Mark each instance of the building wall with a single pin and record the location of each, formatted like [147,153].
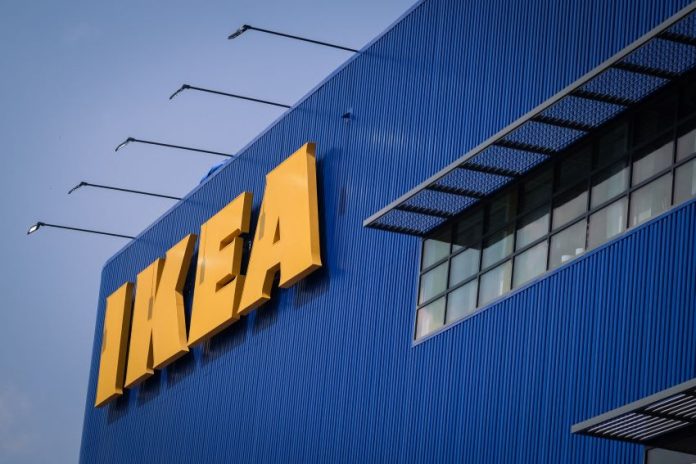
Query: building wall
[326,371]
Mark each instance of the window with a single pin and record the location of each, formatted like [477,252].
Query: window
[468,231]
[497,247]
[570,205]
[568,244]
[655,117]
[462,301]
[501,211]
[532,227]
[686,145]
[574,168]
[646,164]
[495,282]
[530,264]
[435,250]
[609,183]
[464,265]
[430,318]
[651,200]
[607,223]
[612,146]
[536,191]
[433,283]
[685,182]
[617,179]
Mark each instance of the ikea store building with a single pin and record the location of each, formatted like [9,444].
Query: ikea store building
[473,242]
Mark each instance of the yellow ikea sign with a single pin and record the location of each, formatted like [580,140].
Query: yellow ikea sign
[286,241]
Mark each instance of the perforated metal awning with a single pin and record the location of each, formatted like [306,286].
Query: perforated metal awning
[657,420]
[650,63]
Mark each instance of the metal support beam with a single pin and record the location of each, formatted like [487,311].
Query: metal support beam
[563,123]
[601,97]
[398,230]
[488,170]
[424,211]
[454,191]
[638,69]
[524,147]
[678,38]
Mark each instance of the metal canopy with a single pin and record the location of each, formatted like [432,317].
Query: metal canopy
[657,420]
[650,63]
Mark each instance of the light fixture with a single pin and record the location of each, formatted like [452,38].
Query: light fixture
[120,189]
[124,143]
[233,95]
[149,142]
[81,184]
[239,31]
[34,228]
[40,224]
[247,27]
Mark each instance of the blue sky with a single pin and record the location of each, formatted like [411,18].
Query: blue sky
[77,78]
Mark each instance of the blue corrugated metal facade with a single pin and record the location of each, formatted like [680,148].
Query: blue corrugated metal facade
[327,371]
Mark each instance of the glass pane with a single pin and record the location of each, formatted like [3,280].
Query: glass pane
[468,231]
[607,222]
[497,247]
[686,145]
[685,182]
[655,118]
[651,200]
[532,227]
[434,250]
[536,191]
[530,264]
[651,162]
[433,283]
[568,244]
[462,301]
[609,183]
[569,206]
[612,146]
[688,99]
[464,265]
[501,211]
[430,318]
[494,283]
[663,456]
[574,168]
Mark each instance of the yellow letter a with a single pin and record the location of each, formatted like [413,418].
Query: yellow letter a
[287,232]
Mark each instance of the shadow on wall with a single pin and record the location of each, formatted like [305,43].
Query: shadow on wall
[316,284]
[118,408]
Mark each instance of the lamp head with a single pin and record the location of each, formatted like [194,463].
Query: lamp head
[124,143]
[81,184]
[240,31]
[181,89]
[34,228]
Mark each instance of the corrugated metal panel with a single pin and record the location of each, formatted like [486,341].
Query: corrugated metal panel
[326,371]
